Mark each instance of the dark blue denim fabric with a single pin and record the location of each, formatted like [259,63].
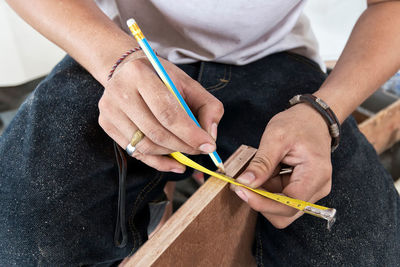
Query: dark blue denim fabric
[58,183]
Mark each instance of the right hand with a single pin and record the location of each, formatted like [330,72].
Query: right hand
[135,98]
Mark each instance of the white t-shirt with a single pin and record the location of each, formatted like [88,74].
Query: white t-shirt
[226,31]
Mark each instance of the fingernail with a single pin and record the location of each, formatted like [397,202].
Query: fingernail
[241,194]
[246,178]
[208,148]
[214,129]
[178,170]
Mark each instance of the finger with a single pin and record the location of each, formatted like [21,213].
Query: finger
[112,131]
[170,114]
[305,183]
[272,207]
[122,128]
[205,106]
[263,204]
[273,185]
[273,147]
[282,222]
[137,111]
[162,163]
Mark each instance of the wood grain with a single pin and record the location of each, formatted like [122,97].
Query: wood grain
[383,129]
[213,228]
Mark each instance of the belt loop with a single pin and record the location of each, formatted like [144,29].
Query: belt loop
[200,71]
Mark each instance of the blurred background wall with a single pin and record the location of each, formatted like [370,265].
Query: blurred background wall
[26,55]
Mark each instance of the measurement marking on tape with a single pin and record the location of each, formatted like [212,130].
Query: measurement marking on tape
[328,214]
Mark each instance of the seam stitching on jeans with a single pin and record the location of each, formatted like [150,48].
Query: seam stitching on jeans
[219,83]
[138,201]
[222,84]
[200,72]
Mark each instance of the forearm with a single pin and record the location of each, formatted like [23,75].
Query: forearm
[370,57]
[80,28]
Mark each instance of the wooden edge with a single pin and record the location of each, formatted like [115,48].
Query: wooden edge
[383,129]
[180,220]
[360,115]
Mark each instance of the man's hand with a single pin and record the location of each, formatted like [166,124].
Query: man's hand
[298,137]
[135,98]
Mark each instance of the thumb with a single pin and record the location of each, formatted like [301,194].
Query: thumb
[270,153]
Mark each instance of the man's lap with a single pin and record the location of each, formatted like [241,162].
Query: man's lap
[59,178]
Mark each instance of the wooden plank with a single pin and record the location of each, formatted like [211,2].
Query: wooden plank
[361,115]
[383,129]
[213,228]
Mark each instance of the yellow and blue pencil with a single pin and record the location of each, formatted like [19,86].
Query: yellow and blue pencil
[144,44]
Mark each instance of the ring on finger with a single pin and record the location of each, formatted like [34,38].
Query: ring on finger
[131,147]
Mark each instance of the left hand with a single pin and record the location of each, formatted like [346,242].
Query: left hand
[298,137]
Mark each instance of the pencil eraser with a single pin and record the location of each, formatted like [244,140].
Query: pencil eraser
[130,22]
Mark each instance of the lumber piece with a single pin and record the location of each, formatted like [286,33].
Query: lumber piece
[213,227]
[383,129]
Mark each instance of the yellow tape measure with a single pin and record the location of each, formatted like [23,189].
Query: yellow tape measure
[313,209]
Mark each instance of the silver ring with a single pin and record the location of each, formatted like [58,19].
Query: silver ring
[130,149]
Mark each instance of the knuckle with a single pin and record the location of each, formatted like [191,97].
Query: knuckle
[328,169]
[101,121]
[107,127]
[219,108]
[104,123]
[102,105]
[326,190]
[278,133]
[263,163]
[279,224]
[145,146]
[158,136]
[167,117]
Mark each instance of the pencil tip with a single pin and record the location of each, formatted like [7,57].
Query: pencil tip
[221,168]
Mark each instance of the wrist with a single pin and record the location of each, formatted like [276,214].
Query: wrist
[339,102]
[128,56]
[324,111]
[109,56]
[312,116]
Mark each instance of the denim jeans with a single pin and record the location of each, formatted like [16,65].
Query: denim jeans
[59,180]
